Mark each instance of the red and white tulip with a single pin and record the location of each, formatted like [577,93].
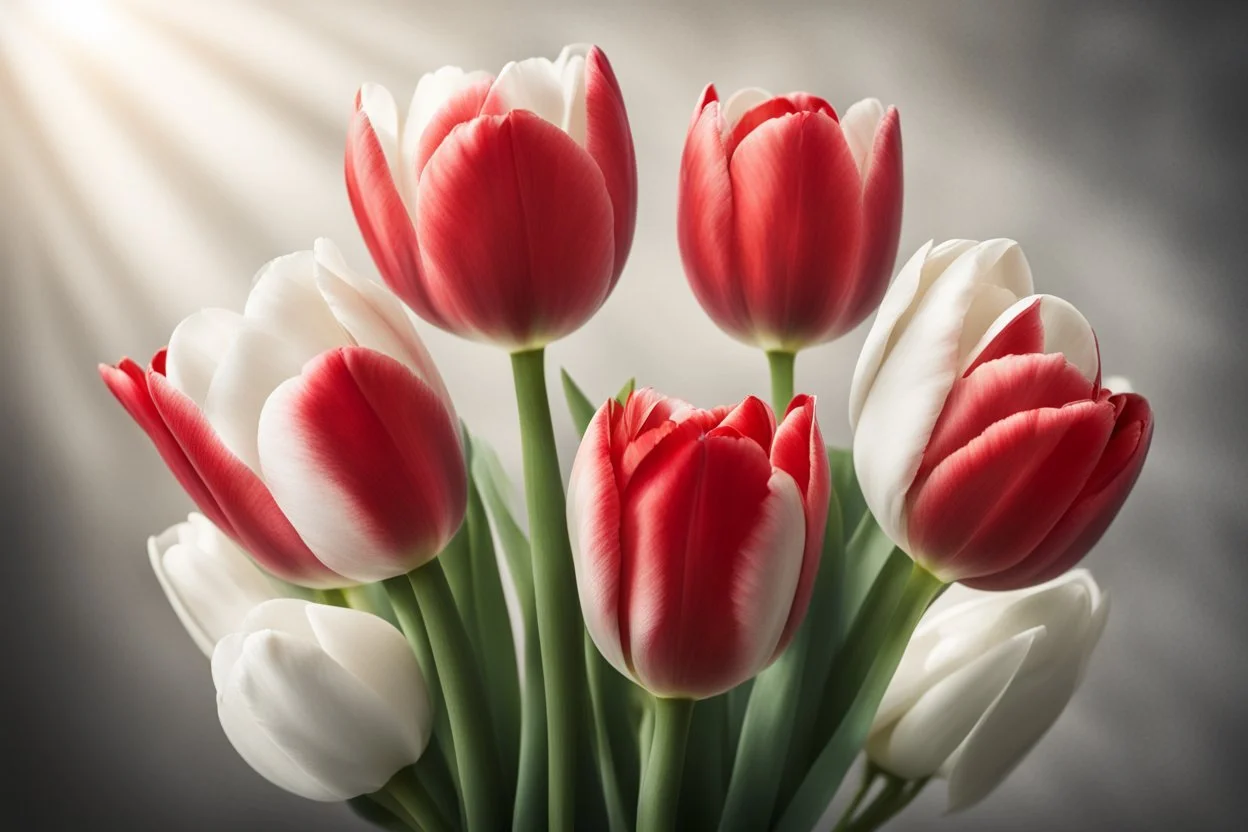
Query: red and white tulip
[696,537]
[985,443]
[789,217]
[313,428]
[500,209]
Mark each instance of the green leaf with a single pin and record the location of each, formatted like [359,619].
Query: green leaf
[371,810]
[845,487]
[626,391]
[579,405]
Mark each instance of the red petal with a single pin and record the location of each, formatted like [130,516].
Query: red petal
[781,105]
[705,224]
[798,200]
[610,142]
[799,451]
[686,518]
[752,419]
[805,102]
[708,96]
[383,218]
[258,523]
[1021,336]
[517,230]
[989,504]
[128,384]
[996,390]
[1096,506]
[881,222]
[463,106]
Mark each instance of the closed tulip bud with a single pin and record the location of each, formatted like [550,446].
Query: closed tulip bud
[325,702]
[696,537]
[983,680]
[313,428]
[500,209]
[986,446]
[789,218]
[211,583]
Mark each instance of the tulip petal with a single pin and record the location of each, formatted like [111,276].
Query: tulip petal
[285,302]
[798,227]
[609,140]
[445,97]
[365,460]
[1040,324]
[247,506]
[128,384]
[740,103]
[921,365]
[986,506]
[752,419]
[882,197]
[861,124]
[195,350]
[462,106]
[541,202]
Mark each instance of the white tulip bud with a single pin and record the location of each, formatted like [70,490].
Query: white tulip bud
[983,679]
[325,702]
[209,581]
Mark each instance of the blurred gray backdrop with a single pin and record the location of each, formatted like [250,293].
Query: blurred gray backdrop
[154,153]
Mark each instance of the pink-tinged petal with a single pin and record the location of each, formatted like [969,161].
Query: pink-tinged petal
[798,225]
[687,516]
[365,460]
[594,529]
[1096,506]
[997,390]
[383,217]
[780,105]
[538,204]
[609,141]
[752,419]
[708,96]
[128,383]
[799,451]
[705,226]
[882,198]
[257,523]
[988,505]
[460,107]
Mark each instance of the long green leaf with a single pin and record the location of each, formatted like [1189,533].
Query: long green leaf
[579,405]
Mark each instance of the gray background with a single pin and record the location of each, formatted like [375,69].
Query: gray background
[154,153]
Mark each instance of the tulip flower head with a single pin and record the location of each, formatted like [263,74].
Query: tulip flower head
[985,443]
[696,537]
[325,702]
[211,583]
[313,428]
[983,680]
[500,209]
[788,217]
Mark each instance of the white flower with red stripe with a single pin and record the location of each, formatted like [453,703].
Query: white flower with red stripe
[696,537]
[500,209]
[985,443]
[313,427]
[789,218]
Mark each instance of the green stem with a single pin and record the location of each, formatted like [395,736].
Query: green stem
[480,778]
[331,597]
[782,364]
[660,785]
[416,802]
[896,796]
[869,775]
[559,622]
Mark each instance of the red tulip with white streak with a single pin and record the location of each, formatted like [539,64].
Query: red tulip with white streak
[985,443]
[500,209]
[788,217]
[696,537]
[313,428]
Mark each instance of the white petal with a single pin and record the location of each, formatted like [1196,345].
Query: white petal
[859,124]
[383,114]
[283,615]
[917,372]
[285,301]
[929,732]
[196,347]
[224,656]
[534,84]
[740,103]
[373,316]
[433,90]
[1066,331]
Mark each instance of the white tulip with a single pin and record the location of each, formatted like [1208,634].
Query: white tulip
[325,702]
[983,679]
[211,583]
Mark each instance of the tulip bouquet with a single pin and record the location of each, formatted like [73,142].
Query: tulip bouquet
[719,613]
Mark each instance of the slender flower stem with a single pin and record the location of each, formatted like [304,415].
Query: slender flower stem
[480,778]
[869,775]
[660,786]
[782,364]
[559,622]
[896,795]
[407,790]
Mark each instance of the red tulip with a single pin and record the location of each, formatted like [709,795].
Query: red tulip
[696,537]
[313,428]
[499,209]
[985,443]
[789,220]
